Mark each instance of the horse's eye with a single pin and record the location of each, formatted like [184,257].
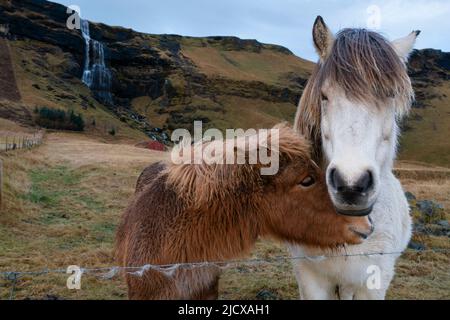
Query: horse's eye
[324,97]
[307,182]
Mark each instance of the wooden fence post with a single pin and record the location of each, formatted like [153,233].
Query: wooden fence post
[1,183]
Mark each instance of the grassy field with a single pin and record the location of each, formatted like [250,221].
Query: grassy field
[62,202]
[427,138]
[267,65]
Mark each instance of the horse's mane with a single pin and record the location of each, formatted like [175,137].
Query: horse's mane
[202,183]
[366,67]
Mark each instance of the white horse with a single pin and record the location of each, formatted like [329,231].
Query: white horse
[349,109]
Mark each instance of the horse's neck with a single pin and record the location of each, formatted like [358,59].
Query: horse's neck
[386,170]
[228,232]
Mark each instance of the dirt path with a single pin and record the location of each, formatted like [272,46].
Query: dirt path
[79,150]
[420,171]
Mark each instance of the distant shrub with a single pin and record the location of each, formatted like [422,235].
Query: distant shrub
[76,120]
[59,119]
[112,131]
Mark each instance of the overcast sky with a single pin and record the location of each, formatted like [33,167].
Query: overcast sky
[284,22]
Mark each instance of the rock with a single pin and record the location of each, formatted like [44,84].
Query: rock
[443,223]
[266,295]
[429,63]
[49,28]
[416,246]
[431,229]
[164,136]
[429,208]
[409,196]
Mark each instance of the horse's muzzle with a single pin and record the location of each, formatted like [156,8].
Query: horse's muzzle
[355,212]
[364,234]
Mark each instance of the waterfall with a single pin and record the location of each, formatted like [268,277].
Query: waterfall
[96,74]
[87,75]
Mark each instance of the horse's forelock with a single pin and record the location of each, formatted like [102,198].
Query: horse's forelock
[366,67]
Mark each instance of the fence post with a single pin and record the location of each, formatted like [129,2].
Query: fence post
[1,183]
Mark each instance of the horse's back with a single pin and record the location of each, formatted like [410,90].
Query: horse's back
[148,175]
[140,211]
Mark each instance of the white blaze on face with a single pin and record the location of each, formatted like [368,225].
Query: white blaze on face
[357,139]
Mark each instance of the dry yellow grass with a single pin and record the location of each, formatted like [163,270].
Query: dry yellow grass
[63,201]
[427,140]
[426,182]
[267,66]
[8,127]
[77,150]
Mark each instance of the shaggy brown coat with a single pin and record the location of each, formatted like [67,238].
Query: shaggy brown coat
[195,213]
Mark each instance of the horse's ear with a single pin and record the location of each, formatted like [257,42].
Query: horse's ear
[404,46]
[323,38]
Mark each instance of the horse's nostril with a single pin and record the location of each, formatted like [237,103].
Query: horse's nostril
[365,182]
[331,178]
[336,180]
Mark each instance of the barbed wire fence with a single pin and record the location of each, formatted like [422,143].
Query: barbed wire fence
[13,141]
[10,142]
[109,272]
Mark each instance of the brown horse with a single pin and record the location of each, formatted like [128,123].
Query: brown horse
[216,212]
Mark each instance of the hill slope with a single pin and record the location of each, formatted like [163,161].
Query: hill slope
[427,131]
[159,82]
[162,82]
